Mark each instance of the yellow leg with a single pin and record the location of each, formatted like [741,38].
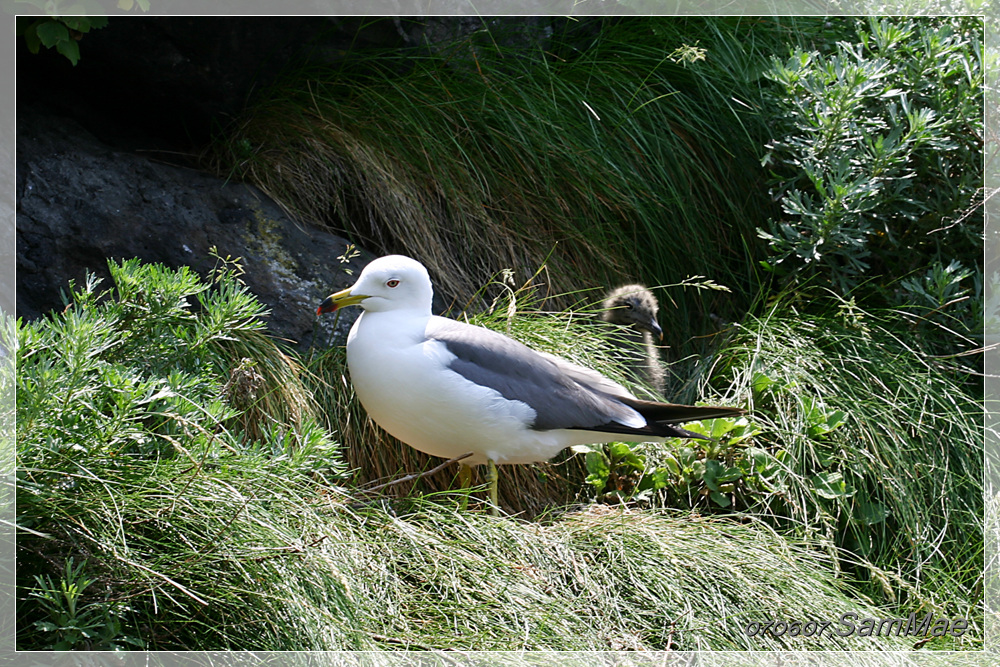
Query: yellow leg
[465,480]
[491,480]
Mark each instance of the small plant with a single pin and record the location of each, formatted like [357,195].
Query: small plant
[227,267]
[72,624]
[690,471]
[350,252]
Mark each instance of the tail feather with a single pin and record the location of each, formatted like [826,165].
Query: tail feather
[661,419]
[672,413]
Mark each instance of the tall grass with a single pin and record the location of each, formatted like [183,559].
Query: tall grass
[628,149]
[900,485]
[255,554]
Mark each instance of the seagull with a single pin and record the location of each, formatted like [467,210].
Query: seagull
[452,389]
[635,307]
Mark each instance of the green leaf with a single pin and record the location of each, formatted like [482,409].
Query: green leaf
[52,32]
[836,419]
[871,513]
[729,474]
[721,426]
[622,455]
[697,427]
[826,423]
[599,470]
[685,456]
[758,459]
[720,499]
[78,23]
[760,383]
[712,470]
[70,49]
[660,478]
[31,38]
[743,431]
[671,465]
[831,485]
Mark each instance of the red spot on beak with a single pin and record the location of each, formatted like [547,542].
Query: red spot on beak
[328,306]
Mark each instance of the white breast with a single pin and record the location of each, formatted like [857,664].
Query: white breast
[404,382]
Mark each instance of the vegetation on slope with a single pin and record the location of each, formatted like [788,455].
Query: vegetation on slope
[183,481]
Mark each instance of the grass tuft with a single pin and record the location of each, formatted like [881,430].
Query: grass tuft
[897,482]
[613,156]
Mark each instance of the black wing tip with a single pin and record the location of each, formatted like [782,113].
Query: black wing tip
[667,427]
[653,430]
[673,413]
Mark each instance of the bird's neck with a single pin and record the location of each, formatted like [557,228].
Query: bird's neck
[398,324]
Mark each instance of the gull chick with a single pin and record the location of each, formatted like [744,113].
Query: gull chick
[635,307]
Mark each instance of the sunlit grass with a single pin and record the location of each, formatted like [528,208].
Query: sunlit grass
[909,453]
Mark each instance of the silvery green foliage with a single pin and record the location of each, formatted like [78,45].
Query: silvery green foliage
[878,162]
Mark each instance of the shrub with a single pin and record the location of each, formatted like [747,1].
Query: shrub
[163,373]
[879,164]
[59,32]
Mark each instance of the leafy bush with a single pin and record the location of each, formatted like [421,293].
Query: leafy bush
[162,372]
[878,166]
[685,473]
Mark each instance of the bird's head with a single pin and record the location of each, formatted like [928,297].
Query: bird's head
[393,282]
[632,305]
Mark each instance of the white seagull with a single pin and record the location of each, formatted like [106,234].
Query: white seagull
[448,388]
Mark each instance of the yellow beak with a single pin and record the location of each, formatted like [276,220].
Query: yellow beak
[339,300]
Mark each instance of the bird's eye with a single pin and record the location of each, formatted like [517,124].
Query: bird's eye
[391,283]
[629,306]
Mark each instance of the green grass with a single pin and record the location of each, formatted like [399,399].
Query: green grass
[252,553]
[192,531]
[907,504]
[477,158]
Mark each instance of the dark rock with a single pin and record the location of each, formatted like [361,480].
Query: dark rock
[80,202]
[93,143]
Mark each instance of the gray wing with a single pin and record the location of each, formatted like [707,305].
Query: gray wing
[563,395]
